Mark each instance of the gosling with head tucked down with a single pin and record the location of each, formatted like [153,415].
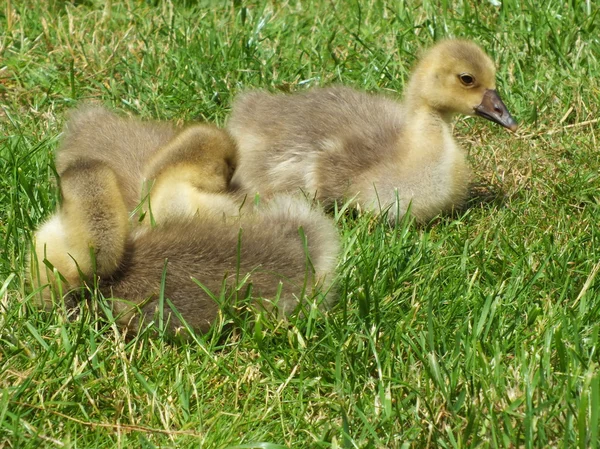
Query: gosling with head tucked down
[284,252]
[284,249]
[162,169]
[111,166]
[338,144]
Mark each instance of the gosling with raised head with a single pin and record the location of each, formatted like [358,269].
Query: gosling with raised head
[338,144]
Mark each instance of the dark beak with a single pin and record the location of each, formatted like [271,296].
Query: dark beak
[493,109]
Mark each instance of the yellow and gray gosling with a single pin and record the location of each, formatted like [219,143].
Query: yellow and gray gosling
[286,250]
[162,169]
[91,239]
[340,144]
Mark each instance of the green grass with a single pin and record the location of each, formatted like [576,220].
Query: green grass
[478,330]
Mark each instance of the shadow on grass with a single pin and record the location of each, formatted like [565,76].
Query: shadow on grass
[484,195]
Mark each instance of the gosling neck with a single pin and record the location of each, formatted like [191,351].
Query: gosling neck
[427,128]
[416,102]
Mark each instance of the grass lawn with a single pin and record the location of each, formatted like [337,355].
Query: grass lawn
[480,329]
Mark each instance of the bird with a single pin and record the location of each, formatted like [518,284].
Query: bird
[162,168]
[338,144]
[281,253]
[111,168]
[285,251]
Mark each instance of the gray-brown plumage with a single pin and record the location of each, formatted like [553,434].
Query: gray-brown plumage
[124,144]
[340,144]
[263,251]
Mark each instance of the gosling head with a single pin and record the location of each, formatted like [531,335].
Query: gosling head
[456,76]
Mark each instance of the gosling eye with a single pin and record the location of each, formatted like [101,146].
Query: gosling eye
[466,79]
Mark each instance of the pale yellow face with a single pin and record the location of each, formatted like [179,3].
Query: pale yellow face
[453,77]
[457,77]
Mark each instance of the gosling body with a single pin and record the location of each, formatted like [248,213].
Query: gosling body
[283,255]
[339,144]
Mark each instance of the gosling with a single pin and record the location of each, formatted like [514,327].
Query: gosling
[338,144]
[284,253]
[162,170]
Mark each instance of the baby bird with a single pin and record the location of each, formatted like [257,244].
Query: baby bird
[338,144]
[283,251]
[106,163]
[164,166]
